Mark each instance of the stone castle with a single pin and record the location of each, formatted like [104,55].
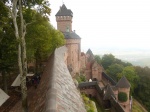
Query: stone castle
[73,41]
[57,92]
[101,86]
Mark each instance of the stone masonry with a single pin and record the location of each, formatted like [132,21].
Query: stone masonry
[56,91]
[68,98]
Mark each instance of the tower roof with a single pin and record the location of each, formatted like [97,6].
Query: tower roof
[109,93]
[89,52]
[63,11]
[123,83]
[71,35]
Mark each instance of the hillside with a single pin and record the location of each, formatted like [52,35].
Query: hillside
[137,107]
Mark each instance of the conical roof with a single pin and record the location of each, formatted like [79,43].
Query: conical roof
[109,93]
[123,83]
[63,11]
[91,56]
[89,52]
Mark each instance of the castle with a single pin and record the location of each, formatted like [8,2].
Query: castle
[105,89]
[73,41]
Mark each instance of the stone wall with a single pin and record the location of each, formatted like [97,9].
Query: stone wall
[56,91]
[62,94]
[64,22]
[73,59]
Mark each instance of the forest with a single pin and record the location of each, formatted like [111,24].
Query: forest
[139,77]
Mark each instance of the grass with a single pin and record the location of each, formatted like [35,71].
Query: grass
[136,107]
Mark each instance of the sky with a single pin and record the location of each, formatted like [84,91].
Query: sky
[109,26]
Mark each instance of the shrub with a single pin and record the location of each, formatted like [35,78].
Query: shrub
[81,78]
[122,96]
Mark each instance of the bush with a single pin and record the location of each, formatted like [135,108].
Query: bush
[122,97]
[81,78]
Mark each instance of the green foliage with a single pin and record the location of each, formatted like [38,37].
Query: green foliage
[88,103]
[142,91]
[98,59]
[118,61]
[41,38]
[113,70]
[81,78]
[130,73]
[122,97]
[8,49]
[107,60]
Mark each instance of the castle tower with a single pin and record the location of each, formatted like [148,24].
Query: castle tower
[124,86]
[64,19]
[64,24]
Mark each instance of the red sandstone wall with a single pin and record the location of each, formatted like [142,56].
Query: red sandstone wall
[63,22]
[73,59]
[82,62]
[90,91]
[88,74]
[127,91]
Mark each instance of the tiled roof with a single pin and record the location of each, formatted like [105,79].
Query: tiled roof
[123,83]
[89,52]
[71,35]
[109,93]
[63,11]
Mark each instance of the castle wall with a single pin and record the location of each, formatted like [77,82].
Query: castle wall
[62,94]
[73,59]
[88,74]
[83,62]
[64,22]
[90,92]
[127,91]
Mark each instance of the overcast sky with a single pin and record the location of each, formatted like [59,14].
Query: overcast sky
[109,26]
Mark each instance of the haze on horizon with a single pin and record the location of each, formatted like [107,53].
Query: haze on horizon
[105,26]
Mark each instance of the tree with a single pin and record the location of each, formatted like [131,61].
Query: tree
[130,73]
[143,88]
[98,59]
[120,62]
[4,13]
[7,45]
[122,97]
[41,38]
[107,60]
[113,70]
[15,8]
[8,54]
